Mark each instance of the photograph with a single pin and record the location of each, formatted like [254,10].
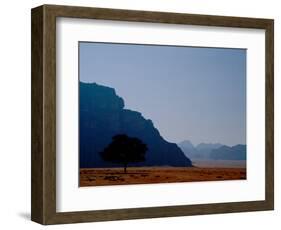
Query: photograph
[161,114]
[174,108]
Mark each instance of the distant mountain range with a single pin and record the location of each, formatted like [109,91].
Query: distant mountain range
[102,115]
[210,151]
[237,152]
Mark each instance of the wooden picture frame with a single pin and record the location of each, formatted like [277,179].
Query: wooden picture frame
[43,207]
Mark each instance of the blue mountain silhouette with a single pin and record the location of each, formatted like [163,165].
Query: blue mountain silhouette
[213,151]
[102,115]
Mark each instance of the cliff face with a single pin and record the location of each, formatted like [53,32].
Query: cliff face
[102,115]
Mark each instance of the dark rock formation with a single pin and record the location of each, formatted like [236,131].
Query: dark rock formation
[102,115]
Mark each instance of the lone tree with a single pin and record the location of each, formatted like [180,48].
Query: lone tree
[124,150]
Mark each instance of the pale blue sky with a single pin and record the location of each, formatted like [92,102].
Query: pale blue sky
[192,93]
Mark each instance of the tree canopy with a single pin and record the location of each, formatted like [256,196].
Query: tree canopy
[124,150]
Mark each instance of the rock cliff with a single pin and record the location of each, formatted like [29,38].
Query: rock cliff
[102,115]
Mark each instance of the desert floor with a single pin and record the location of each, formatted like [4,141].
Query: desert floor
[148,175]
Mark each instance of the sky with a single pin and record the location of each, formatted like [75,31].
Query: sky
[190,93]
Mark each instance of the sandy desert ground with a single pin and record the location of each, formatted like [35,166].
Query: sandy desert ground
[148,175]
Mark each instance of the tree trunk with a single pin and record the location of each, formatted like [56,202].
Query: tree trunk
[125,167]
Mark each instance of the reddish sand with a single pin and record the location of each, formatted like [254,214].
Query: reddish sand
[148,175]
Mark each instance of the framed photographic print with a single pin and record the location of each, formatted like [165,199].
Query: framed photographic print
[140,114]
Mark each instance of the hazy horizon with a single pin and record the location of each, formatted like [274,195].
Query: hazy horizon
[190,93]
